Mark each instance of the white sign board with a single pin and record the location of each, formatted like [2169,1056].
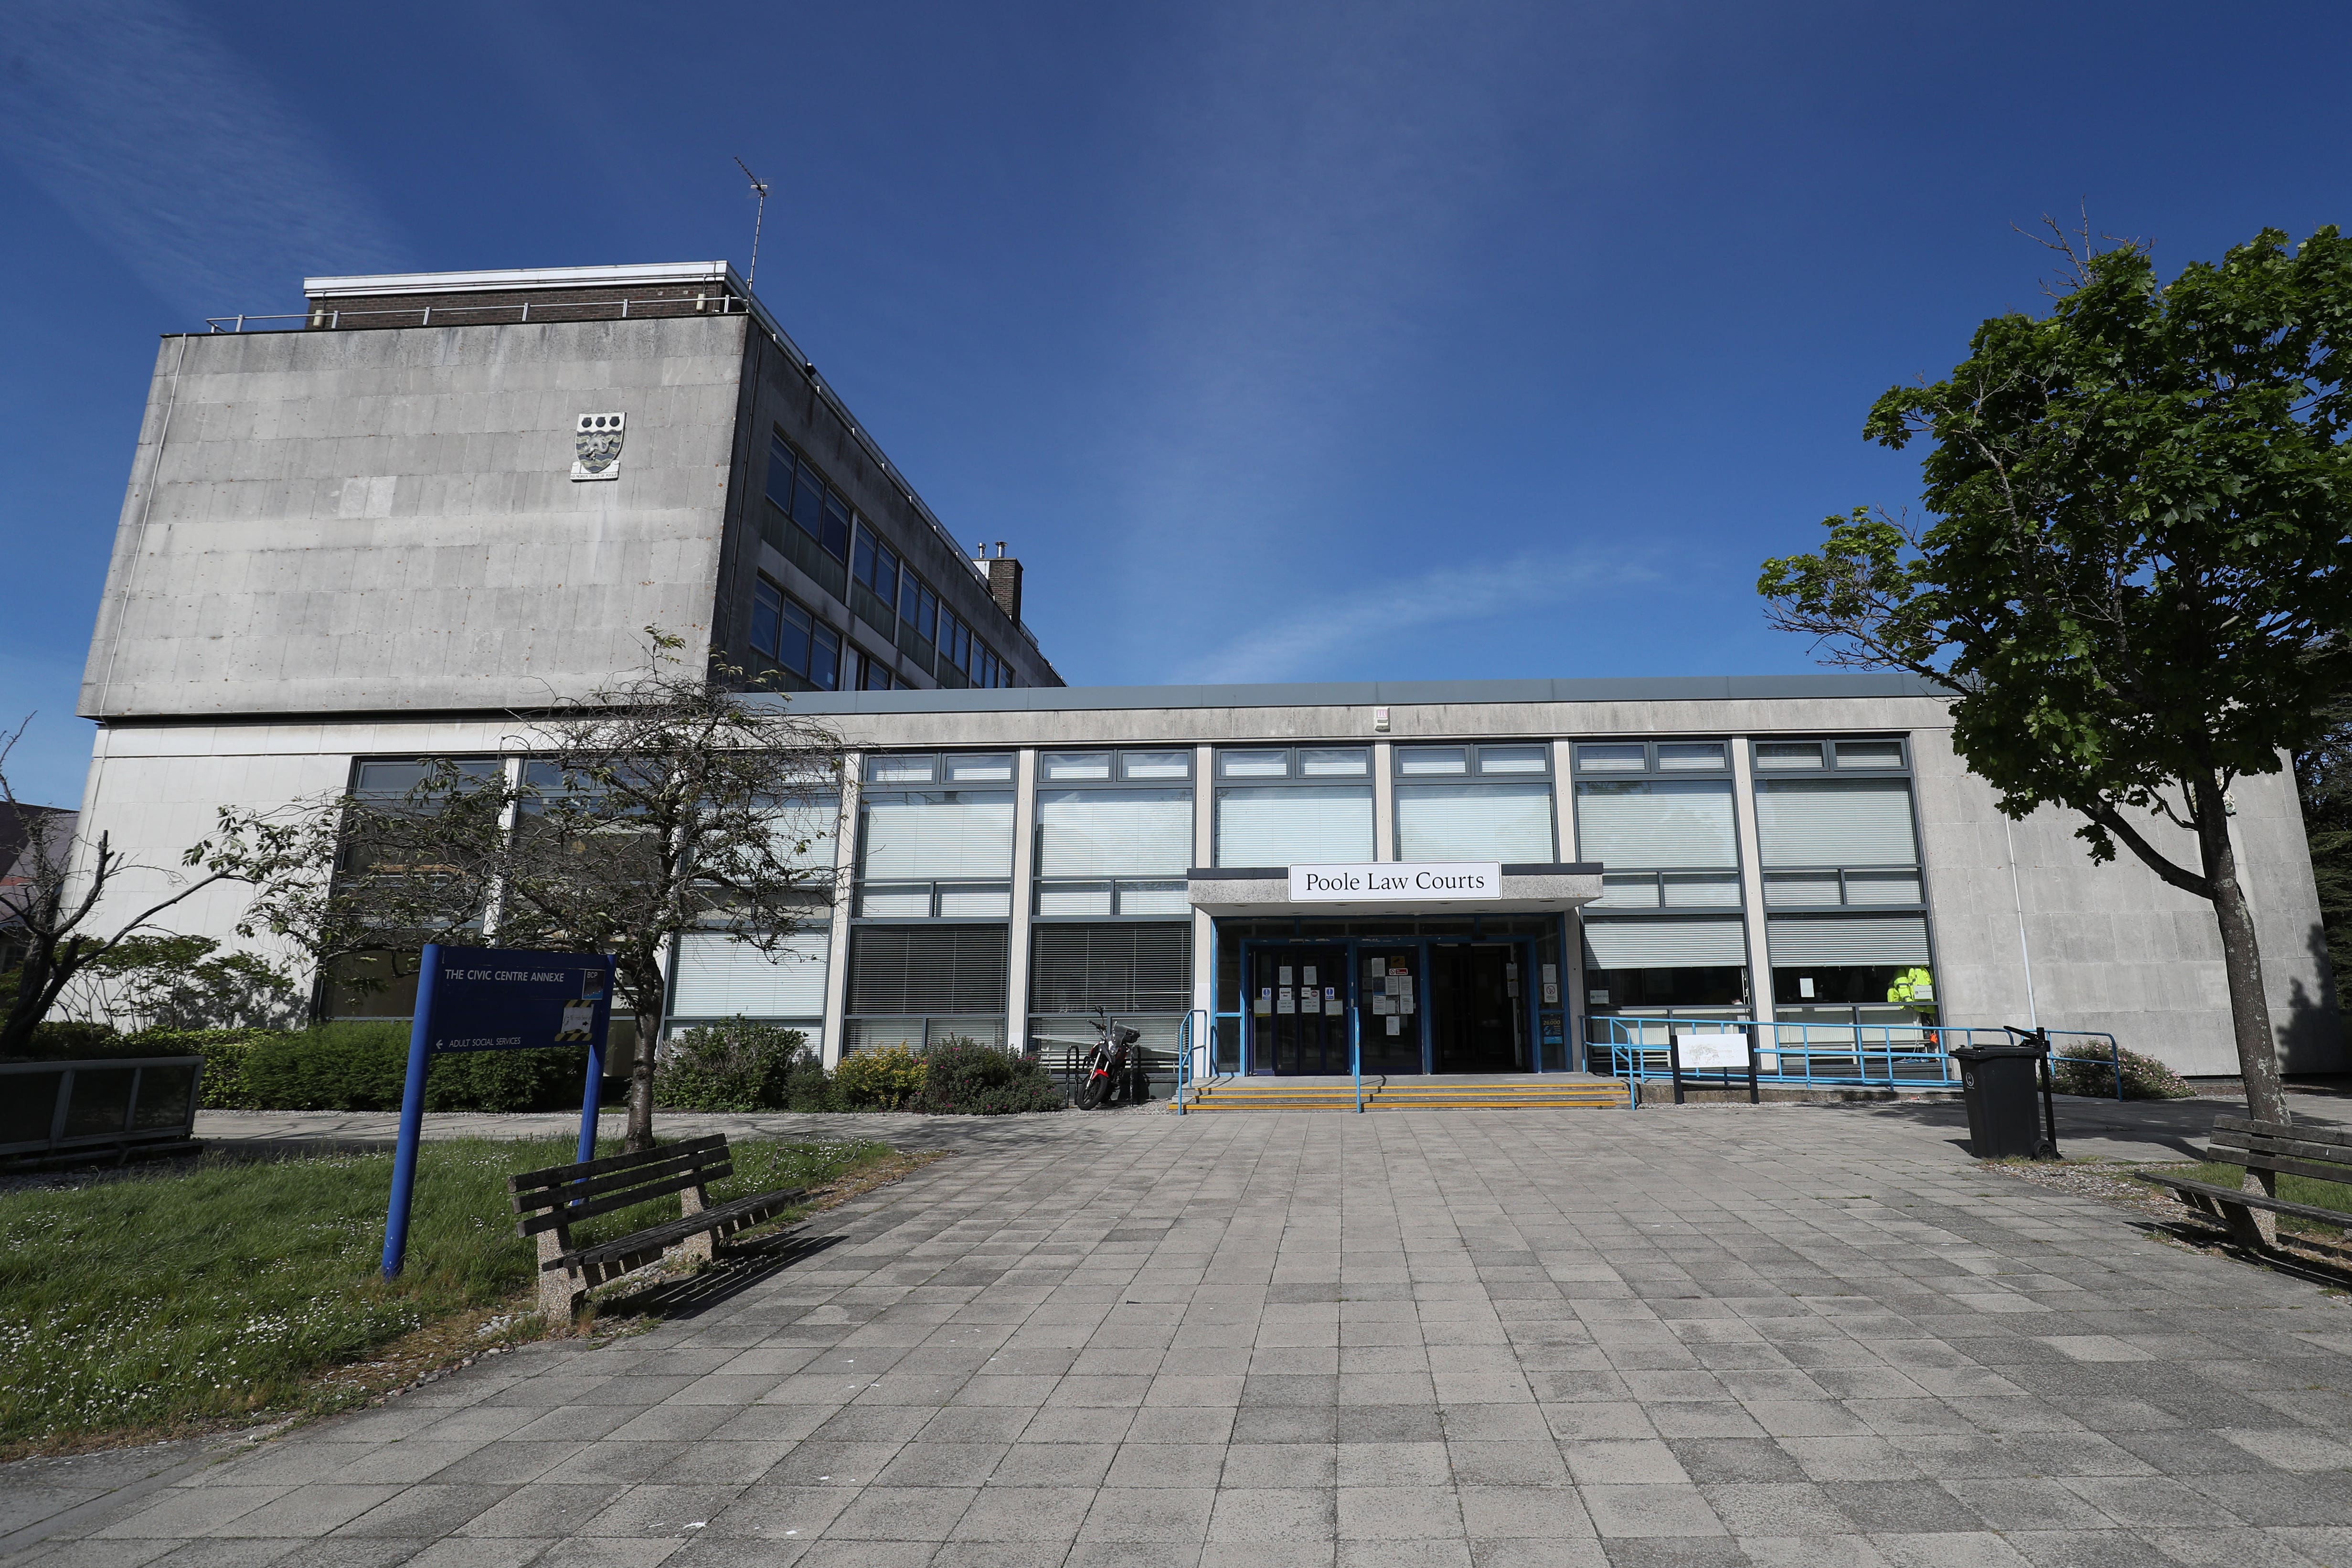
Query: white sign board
[1403,881]
[1714,1051]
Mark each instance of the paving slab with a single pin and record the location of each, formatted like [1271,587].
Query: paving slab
[1795,1334]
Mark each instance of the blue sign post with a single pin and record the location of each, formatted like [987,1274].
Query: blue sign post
[496,999]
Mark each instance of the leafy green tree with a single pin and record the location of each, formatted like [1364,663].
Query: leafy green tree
[664,803]
[2135,576]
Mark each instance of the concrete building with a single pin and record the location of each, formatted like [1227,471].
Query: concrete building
[378,537]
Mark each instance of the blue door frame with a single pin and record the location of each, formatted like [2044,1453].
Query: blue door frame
[1530,991]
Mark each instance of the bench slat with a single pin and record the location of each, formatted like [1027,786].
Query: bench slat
[557,1175]
[2252,1200]
[2300,1148]
[670,1232]
[597,1186]
[574,1214]
[2300,1132]
[2281,1164]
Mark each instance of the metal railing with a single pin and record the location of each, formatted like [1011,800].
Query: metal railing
[509,313]
[58,1109]
[1188,1042]
[1805,1055]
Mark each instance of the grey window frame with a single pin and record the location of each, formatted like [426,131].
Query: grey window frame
[1114,886]
[1831,770]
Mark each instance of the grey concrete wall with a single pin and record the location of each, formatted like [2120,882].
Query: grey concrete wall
[363,520]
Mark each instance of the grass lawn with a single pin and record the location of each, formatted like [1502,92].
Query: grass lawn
[224,1289]
[2334,1195]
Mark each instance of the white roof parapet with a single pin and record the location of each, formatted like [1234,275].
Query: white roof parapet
[656,274]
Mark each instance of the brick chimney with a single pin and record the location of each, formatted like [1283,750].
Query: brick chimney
[1005,583]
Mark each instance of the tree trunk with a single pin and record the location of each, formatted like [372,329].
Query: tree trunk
[2241,955]
[641,1088]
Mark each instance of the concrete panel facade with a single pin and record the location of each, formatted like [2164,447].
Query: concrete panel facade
[332,523]
[2024,927]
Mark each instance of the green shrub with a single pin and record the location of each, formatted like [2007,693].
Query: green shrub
[364,1066]
[62,1040]
[878,1081]
[225,1052]
[740,1065]
[2144,1078]
[964,1077]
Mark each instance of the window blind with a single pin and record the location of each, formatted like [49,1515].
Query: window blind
[1114,832]
[1633,823]
[922,835]
[927,969]
[1509,823]
[1302,825]
[721,976]
[1834,822]
[1838,941]
[816,823]
[1143,968]
[1663,943]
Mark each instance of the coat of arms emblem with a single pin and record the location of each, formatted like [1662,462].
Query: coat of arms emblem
[596,446]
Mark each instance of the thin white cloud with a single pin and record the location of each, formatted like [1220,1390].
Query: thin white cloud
[1317,634]
[178,156]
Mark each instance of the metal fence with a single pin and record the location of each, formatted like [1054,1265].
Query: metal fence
[1825,1056]
[51,1108]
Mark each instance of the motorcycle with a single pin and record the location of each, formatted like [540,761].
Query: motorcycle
[1105,1078]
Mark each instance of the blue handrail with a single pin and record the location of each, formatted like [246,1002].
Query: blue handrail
[1187,1042]
[1907,1055]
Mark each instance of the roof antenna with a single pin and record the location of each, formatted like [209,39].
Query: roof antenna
[759,189]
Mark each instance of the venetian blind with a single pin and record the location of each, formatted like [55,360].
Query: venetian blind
[1302,825]
[1846,942]
[1114,832]
[1640,823]
[1834,822]
[928,835]
[927,969]
[1664,944]
[1510,823]
[721,976]
[1140,968]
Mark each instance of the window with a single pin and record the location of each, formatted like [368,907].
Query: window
[1507,822]
[918,985]
[1834,822]
[767,618]
[797,639]
[1869,753]
[1063,765]
[1155,764]
[1412,761]
[1287,825]
[1653,757]
[722,976]
[1352,762]
[1104,833]
[1654,824]
[1785,756]
[799,491]
[824,659]
[1306,763]
[1141,968]
[928,835]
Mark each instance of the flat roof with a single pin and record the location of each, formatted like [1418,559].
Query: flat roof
[1371,694]
[654,274]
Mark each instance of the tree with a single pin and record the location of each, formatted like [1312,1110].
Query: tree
[51,903]
[2136,579]
[165,981]
[663,804]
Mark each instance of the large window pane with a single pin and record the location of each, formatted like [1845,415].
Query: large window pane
[935,834]
[1301,825]
[1656,823]
[1835,822]
[721,976]
[1114,833]
[1510,823]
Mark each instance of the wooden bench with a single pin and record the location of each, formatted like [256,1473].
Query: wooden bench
[2308,1149]
[552,1201]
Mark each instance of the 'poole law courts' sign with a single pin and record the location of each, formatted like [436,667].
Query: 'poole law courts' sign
[1429,881]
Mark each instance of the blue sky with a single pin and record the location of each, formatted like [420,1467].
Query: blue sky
[1382,341]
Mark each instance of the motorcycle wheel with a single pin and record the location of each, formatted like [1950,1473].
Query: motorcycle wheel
[1091,1096]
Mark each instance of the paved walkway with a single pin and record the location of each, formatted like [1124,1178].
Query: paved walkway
[1816,1336]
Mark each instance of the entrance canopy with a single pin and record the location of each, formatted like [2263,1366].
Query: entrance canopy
[1392,888]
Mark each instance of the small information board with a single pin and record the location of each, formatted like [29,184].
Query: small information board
[496,999]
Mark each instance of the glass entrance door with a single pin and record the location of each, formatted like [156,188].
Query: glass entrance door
[1479,1012]
[1389,1006]
[1298,1009]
